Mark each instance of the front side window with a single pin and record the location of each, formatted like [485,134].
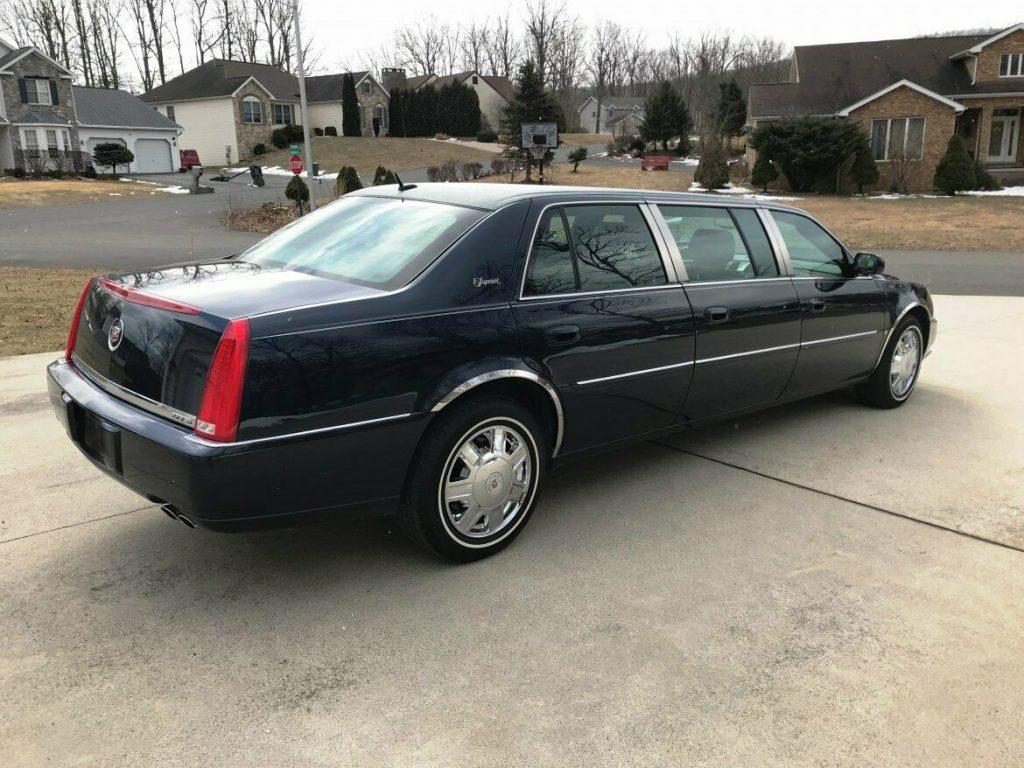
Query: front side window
[593,248]
[51,140]
[719,243]
[378,242]
[38,91]
[897,138]
[813,252]
[1011,65]
[170,112]
[283,114]
[252,110]
[31,141]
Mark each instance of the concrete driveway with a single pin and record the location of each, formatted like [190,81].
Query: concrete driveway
[822,584]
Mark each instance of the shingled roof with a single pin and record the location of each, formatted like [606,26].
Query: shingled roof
[832,77]
[109,107]
[222,77]
[328,87]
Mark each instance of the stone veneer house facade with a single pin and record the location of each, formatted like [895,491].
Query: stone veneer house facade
[911,96]
[47,123]
[228,107]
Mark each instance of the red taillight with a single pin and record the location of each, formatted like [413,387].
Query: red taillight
[222,395]
[73,333]
[136,296]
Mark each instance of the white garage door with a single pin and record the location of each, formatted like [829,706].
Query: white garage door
[153,156]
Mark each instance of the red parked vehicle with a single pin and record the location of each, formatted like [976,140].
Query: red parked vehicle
[189,157]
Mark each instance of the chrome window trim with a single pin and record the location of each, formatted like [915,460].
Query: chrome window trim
[778,243]
[672,246]
[552,297]
[634,373]
[336,428]
[511,373]
[741,281]
[896,322]
[139,401]
[665,260]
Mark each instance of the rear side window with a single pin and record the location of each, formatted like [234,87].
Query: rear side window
[719,243]
[593,248]
[813,252]
[378,242]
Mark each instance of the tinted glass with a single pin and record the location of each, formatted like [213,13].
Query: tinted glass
[812,251]
[614,249]
[379,242]
[714,247]
[551,268]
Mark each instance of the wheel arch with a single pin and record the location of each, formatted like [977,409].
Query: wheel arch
[914,309]
[536,392]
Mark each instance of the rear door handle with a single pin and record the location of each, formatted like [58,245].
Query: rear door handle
[716,315]
[817,305]
[560,335]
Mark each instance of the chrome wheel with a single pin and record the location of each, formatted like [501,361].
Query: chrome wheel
[906,358]
[487,479]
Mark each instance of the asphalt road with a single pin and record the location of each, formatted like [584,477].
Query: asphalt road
[820,584]
[157,231]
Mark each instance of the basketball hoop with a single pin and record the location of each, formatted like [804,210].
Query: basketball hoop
[538,151]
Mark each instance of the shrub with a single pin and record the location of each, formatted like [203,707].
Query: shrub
[318,131]
[297,191]
[347,181]
[472,170]
[984,180]
[259,149]
[112,155]
[739,171]
[383,176]
[433,173]
[498,166]
[19,172]
[450,170]
[330,130]
[713,170]
[956,170]
[487,137]
[577,156]
[622,144]
[764,172]
[637,145]
[864,171]
[809,151]
[89,172]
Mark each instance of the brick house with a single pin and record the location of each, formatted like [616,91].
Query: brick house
[227,107]
[47,123]
[911,96]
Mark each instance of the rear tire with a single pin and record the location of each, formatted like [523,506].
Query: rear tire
[474,482]
[893,381]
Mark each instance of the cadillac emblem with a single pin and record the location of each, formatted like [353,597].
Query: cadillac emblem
[115,335]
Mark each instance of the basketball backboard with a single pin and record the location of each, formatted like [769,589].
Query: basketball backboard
[540,135]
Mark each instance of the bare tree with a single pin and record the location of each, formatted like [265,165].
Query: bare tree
[605,51]
[543,21]
[472,44]
[421,48]
[502,49]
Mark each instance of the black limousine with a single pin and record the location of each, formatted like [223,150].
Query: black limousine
[434,350]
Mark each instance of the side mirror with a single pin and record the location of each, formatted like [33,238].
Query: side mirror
[868,264]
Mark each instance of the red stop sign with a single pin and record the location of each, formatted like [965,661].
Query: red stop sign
[296,165]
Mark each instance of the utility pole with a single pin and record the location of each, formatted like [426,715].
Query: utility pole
[303,107]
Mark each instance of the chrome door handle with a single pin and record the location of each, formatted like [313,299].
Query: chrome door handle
[817,305]
[561,335]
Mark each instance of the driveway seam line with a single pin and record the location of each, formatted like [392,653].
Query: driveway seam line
[76,525]
[865,505]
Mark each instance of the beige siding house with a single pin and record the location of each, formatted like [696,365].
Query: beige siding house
[493,93]
[911,96]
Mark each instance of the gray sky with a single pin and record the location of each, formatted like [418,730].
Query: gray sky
[341,27]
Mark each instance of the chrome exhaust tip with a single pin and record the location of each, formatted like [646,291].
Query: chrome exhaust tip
[170,511]
[186,522]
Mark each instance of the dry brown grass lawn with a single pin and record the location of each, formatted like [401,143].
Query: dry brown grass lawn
[22,193]
[922,224]
[365,153]
[572,139]
[36,306]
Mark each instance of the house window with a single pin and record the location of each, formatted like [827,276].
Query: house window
[897,138]
[476,80]
[170,112]
[594,113]
[66,137]
[1011,65]
[51,140]
[283,114]
[30,141]
[38,91]
[366,87]
[252,110]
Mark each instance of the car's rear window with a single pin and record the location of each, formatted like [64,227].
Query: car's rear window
[378,242]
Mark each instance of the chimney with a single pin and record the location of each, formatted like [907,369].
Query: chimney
[392,77]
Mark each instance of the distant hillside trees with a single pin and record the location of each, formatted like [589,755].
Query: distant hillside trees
[453,109]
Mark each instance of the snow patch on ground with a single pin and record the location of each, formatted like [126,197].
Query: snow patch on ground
[1004,192]
[743,192]
[276,170]
[175,190]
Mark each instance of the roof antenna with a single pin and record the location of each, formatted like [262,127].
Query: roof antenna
[402,187]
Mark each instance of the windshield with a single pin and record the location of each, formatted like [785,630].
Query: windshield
[378,242]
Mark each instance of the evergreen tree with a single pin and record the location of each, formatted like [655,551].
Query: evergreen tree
[347,181]
[111,155]
[396,112]
[808,151]
[713,170]
[955,171]
[350,122]
[732,109]
[661,120]
[576,157]
[864,171]
[764,172]
[683,127]
[530,104]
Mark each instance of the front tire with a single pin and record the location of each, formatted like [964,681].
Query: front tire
[474,482]
[893,381]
